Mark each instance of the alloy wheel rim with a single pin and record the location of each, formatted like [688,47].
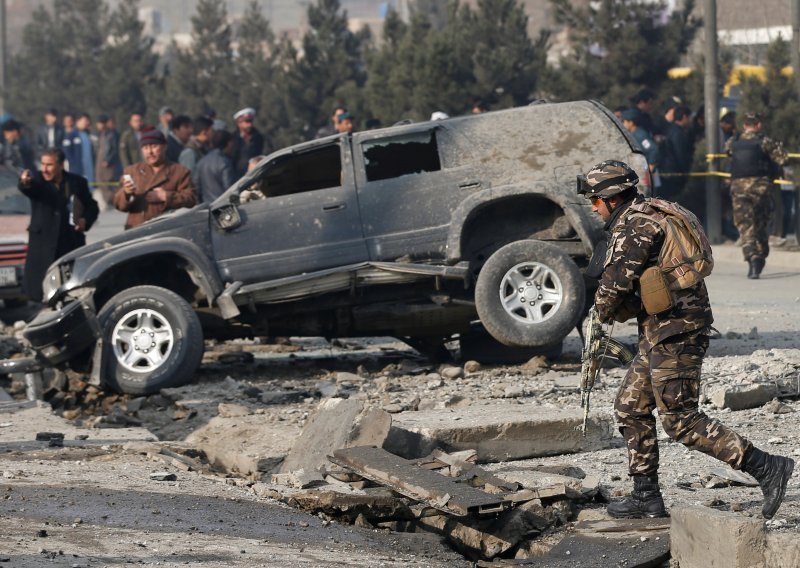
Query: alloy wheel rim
[142,340]
[531,292]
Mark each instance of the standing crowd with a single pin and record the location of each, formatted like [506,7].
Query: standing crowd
[144,171]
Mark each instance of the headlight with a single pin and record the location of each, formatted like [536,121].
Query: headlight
[52,281]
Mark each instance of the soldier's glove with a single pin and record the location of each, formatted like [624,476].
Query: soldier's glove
[630,308]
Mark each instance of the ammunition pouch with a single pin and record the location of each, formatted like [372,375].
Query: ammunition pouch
[655,292]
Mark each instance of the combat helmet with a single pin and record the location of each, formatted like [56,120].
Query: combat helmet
[607,179]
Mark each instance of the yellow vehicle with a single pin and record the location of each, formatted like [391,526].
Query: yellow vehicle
[732,88]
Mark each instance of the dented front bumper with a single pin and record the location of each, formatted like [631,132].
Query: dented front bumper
[60,335]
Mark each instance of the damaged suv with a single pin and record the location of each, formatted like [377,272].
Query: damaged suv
[415,231]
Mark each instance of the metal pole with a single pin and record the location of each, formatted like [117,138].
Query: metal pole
[713,199]
[796,75]
[796,44]
[2,54]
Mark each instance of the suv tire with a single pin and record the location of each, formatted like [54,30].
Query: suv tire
[152,339]
[529,294]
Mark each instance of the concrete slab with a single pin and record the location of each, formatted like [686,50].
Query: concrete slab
[498,432]
[23,420]
[250,446]
[707,538]
[337,423]
[429,487]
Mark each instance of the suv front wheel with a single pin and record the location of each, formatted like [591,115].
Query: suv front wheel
[529,294]
[152,339]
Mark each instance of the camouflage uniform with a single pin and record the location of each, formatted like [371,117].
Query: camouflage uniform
[752,201]
[665,374]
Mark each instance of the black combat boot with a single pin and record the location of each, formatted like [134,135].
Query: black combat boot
[645,500]
[772,474]
[756,266]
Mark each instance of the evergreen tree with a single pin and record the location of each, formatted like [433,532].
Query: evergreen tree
[127,63]
[618,46]
[259,77]
[80,57]
[329,69]
[202,76]
[481,53]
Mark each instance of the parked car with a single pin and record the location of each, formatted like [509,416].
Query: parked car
[414,231]
[15,214]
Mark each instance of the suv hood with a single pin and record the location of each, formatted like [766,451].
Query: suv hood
[180,223]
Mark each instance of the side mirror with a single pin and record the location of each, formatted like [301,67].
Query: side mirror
[227,216]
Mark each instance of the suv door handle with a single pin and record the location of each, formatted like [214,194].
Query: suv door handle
[469,185]
[334,207]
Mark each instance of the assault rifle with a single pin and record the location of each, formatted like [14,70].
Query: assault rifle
[596,343]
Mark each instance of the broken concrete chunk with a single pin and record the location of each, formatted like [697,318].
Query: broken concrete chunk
[337,423]
[777,407]
[472,367]
[731,477]
[499,432]
[163,476]
[740,397]
[246,445]
[706,538]
[300,479]
[452,372]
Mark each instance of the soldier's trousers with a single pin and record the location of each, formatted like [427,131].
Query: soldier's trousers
[752,212]
[668,378]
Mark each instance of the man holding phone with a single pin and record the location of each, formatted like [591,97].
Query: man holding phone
[155,185]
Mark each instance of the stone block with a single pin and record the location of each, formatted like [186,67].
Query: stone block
[498,432]
[740,397]
[337,423]
[783,550]
[706,538]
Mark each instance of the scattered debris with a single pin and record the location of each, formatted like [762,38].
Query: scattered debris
[163,476]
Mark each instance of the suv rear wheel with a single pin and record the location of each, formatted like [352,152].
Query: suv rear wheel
[529,294]
[152,339]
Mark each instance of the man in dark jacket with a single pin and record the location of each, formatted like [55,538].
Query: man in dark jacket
[179,134]
[108,166]
[16,152]
[676,154]
[62,210]
[213,174]
[247,141]
[50,134]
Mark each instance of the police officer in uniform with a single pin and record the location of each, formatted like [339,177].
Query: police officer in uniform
[754,160]
[665,374]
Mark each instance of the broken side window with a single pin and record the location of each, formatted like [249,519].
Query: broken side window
[319,168]
[412,153]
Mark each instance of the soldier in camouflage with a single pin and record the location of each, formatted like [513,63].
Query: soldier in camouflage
[665,374]
[754,159]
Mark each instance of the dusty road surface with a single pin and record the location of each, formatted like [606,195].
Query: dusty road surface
[93,502]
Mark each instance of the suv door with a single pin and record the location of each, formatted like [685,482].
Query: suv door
[300,214]
[409,183]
